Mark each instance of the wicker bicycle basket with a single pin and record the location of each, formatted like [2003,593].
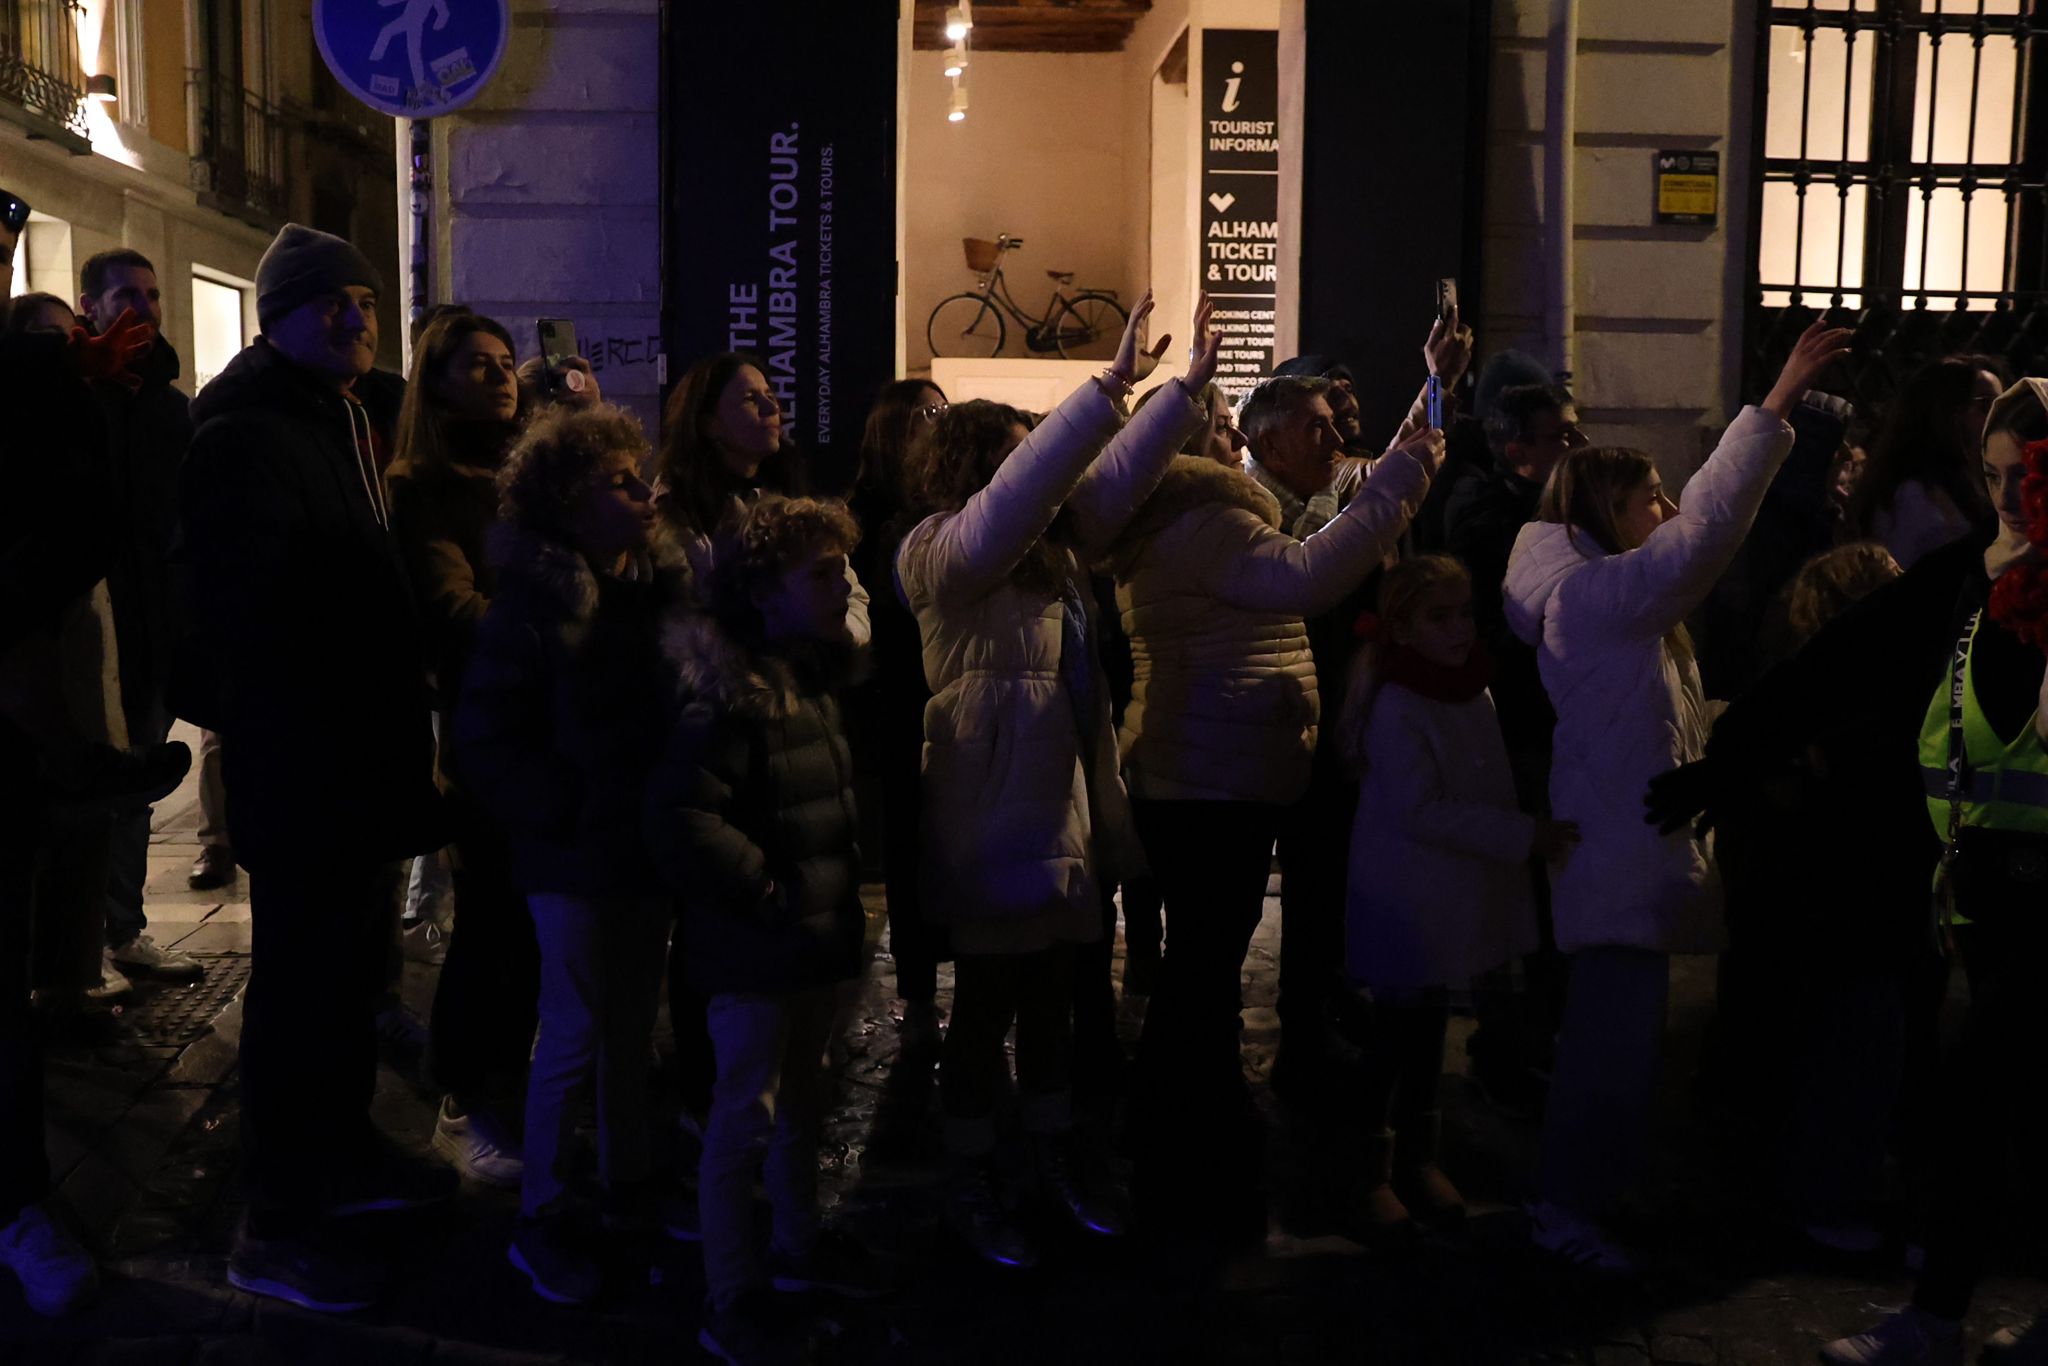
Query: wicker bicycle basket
[981,254]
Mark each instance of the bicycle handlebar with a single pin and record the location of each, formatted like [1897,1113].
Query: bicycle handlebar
[1005,241]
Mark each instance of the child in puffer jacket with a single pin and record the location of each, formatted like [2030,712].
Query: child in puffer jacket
[1439,889]
[750,819]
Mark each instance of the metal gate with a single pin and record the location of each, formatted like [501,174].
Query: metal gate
[1903,184]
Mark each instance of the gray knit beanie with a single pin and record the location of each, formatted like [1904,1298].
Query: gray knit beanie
[303,263]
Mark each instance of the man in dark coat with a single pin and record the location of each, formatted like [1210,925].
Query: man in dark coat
[323,707]
[150,429]
[1529,429]
[53,548]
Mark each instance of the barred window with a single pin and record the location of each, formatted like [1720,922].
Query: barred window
[1902,166]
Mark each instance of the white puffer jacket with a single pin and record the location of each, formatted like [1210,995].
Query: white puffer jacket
[1439,886]
[1629,703]
[1223,701]
[1010,847]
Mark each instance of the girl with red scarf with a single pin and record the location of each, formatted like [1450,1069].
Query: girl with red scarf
[1439,887]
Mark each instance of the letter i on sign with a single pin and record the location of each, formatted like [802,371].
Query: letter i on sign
[1230,87]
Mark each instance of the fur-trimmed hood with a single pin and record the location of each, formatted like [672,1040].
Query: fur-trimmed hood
[711,666]
[561,580]
[1191,482]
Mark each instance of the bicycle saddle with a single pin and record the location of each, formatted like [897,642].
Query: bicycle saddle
[1065,277]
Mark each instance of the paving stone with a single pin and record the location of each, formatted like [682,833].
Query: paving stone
[1683,1351]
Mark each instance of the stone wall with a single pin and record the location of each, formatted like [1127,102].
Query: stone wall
[1657,308]
[547,190]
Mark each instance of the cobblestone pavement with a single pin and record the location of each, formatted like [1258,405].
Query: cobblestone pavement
[144,1142]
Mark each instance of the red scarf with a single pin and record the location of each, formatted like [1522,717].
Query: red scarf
[1399,664]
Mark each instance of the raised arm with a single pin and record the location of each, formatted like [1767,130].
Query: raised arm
[1447,353]
[1124,475]
[1652,589]
[1270,571]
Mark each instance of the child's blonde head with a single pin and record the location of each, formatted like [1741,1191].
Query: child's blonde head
[1404,591]
[1830,582]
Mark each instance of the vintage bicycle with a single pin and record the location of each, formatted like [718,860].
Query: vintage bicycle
[1082,326]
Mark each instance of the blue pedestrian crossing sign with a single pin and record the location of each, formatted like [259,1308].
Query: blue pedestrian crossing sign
[413,58]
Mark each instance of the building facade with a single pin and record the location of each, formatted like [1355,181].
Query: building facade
[188,130]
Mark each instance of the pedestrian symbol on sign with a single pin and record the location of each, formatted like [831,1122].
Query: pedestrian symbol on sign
[413,58]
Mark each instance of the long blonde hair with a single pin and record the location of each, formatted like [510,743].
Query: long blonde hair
[1403,589]
[1585,494]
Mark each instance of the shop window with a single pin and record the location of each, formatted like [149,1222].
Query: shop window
[221,305]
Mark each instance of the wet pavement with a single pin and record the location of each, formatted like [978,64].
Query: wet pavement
[144,1133]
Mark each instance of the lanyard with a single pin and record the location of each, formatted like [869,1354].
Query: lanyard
[1958,773]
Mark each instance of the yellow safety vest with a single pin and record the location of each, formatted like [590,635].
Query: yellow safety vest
[2002,786]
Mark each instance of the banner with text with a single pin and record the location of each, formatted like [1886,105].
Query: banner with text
[1240,259]
[779,207]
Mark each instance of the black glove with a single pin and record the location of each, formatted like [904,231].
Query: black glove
[1692,793]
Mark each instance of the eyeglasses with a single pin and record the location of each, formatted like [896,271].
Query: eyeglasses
[930,411]
[16,210]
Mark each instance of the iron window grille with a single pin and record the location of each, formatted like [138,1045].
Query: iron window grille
[1903,181]
[42,80]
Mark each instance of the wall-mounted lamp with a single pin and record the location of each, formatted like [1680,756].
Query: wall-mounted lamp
[958,113]
[956,60]
[959,19]
[101,88]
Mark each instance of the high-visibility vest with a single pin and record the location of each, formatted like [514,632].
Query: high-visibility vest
[2005,786]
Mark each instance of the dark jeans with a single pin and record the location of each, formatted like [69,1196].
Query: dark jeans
[990,990]
[1314,850]
[1404,1058]
[1210,860]
[1992,1102]
[319,940]
[128,852]
[485,1005]
[1596,1125]
[1144,933]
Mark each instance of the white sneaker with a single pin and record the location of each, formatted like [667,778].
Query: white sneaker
[144,955]
[113,984]
[57,1275]
[472,1151]
[1580,1241]
[1910,1337]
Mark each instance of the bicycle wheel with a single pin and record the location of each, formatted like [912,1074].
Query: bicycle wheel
[965,325]
[1090,327]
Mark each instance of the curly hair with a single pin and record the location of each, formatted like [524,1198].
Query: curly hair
[1830,582]
[763,540]
[559,459]
[958,457]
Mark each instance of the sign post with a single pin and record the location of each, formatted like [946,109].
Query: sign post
[1240,187]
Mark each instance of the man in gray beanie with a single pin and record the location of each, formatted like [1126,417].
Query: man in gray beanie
[322,705]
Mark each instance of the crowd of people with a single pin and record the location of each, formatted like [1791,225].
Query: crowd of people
[1516,725]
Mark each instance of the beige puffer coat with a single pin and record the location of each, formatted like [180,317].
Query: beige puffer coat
[1011,845]
[1213,595]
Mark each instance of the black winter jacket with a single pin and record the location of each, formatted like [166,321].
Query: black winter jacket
[756,792]
[564,703]
[151,429]
[313,672]
[1485,514]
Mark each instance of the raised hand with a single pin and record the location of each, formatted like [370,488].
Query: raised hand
[1449,349]
[1134,362]
[1818,347]
[1208,344]
[114,352]
[1427,446]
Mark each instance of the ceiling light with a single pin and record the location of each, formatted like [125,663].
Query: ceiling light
[956,60]
[958,114]
[957,22]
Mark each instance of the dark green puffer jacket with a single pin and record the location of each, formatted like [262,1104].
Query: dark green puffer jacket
[750,816]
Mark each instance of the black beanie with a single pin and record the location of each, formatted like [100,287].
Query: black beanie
[303,263]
